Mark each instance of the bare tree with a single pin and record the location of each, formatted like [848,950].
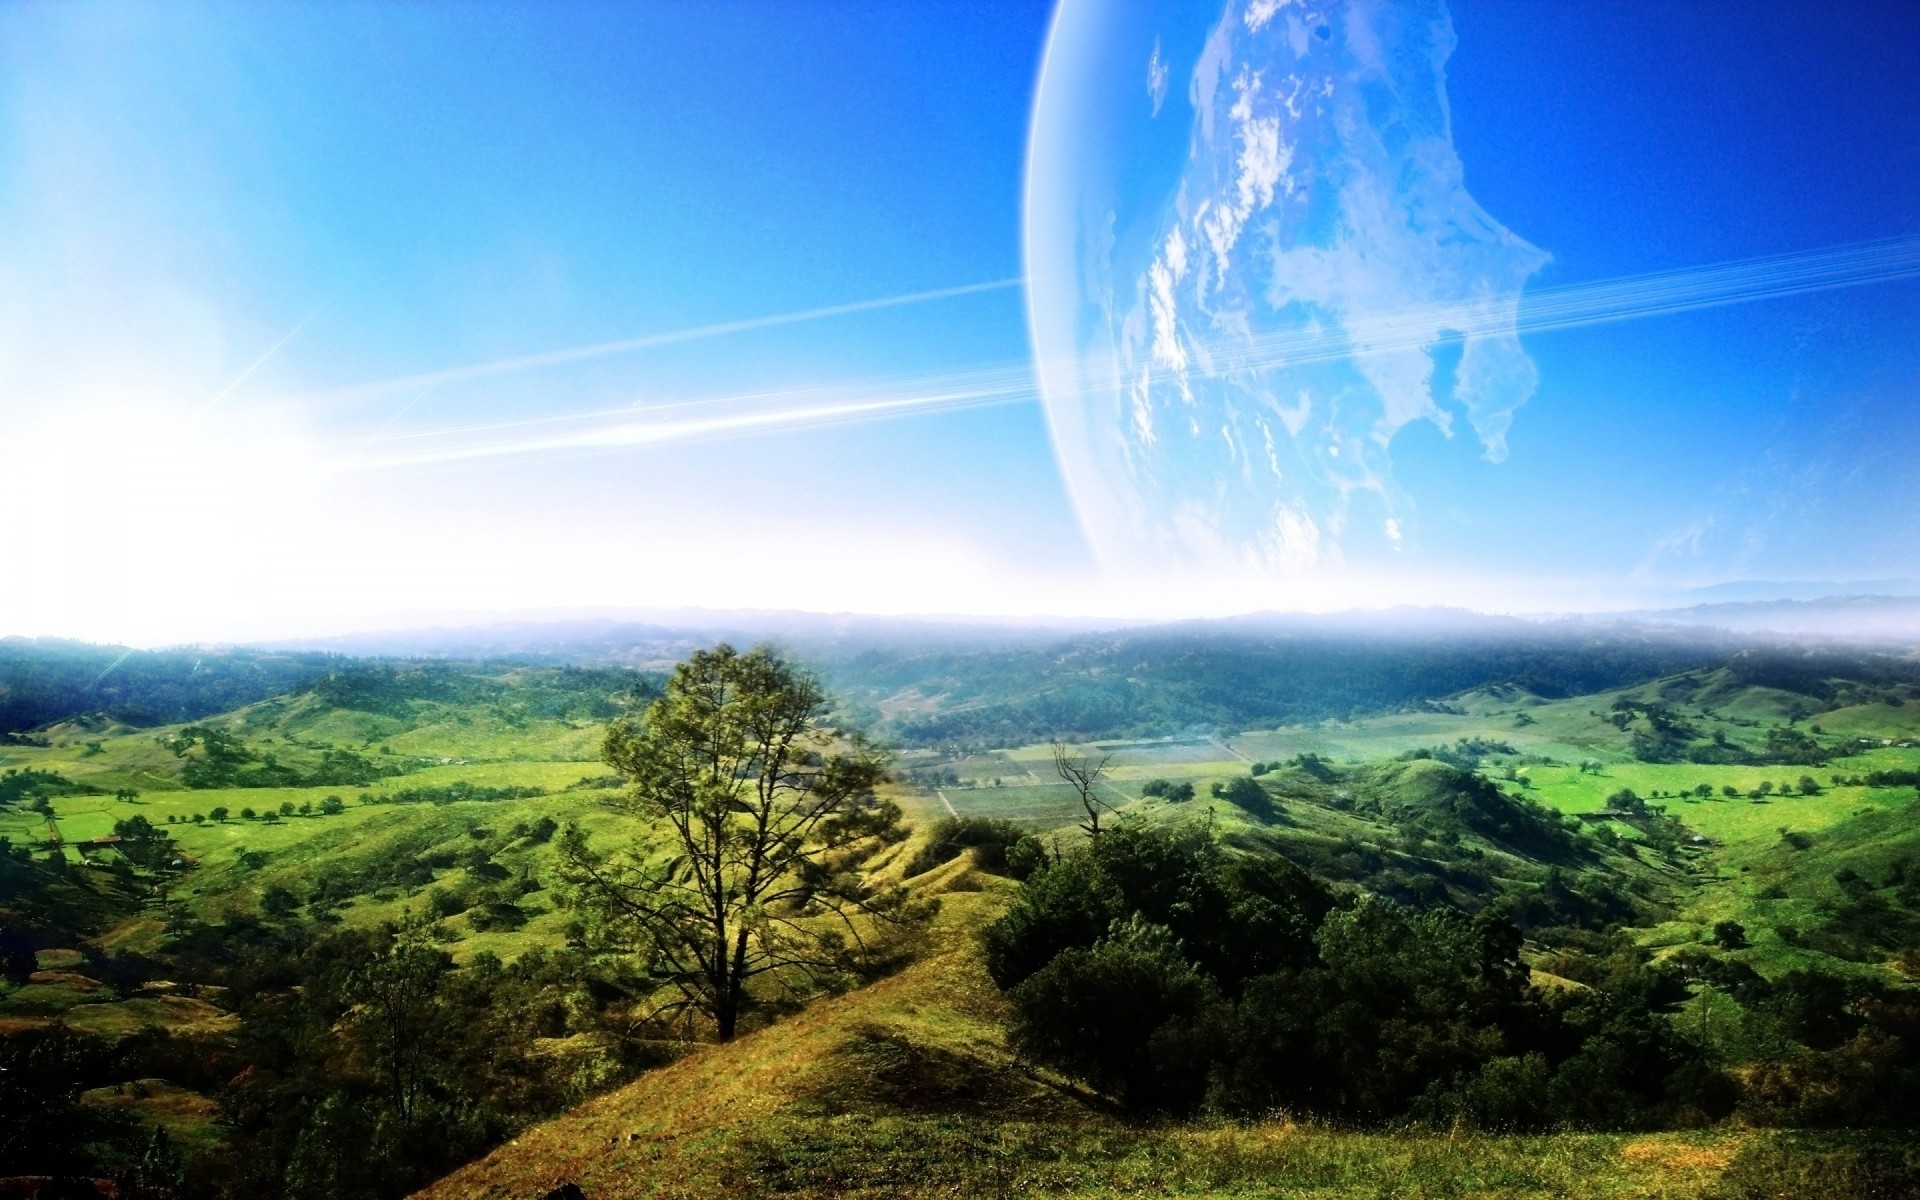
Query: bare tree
[759,814]
[1085,774]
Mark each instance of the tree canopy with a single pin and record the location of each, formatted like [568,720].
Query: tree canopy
[761,810]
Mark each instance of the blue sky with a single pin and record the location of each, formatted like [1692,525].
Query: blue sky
[413,188]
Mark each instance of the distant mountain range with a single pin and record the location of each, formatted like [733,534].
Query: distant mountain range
[1747,610]
[1865,618]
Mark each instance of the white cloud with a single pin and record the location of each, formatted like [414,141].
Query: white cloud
[1156,78]
[1259,12]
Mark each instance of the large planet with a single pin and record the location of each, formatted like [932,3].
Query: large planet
[1247,233]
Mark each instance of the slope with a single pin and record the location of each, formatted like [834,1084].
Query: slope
[907,1088]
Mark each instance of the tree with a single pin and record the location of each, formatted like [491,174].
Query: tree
[760,812]
[1625,800]
[218,815]
[1085,775]
[332,806]
[398,997]
[1244,793]
[277,901]
[18,960]
[1730,935]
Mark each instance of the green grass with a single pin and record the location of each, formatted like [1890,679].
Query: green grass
[907,1088]
[188,1117]
[807,1108]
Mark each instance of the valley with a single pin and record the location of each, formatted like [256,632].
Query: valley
[423,804]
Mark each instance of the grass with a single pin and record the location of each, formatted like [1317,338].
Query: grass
[907,1088]
[188,1117]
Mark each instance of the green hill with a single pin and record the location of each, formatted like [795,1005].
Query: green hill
[908,1088]
[298,830]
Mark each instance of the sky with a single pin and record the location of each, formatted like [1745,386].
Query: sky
[321,317]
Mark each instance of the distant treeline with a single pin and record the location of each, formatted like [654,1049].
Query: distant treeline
[1162,681]
[976,694]
[549,693]
[453,793]
[44,680]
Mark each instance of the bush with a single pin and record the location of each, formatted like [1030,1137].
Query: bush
[443,903]
[1243,792]
[1627,801]
[992,838]
[1151,960]
[1508,1094]
[1026,856]
[496,915]
[1127,1015]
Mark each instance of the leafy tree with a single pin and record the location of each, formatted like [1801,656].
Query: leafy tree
[761,810]
[332,806]
[135,829]
[1124,1014]
[218,814]
[1243,792]
[398,998]
[277,901]
[1730,935]
[220,761]
[1627,801]
[18,960]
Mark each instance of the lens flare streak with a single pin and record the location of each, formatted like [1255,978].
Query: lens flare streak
[1573,306]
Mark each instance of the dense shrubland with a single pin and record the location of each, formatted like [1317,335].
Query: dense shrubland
[364,1064]
[1175,975]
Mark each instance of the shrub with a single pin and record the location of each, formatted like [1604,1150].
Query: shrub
[989,836]
[277,901]
[443,903]
[1243,792]
[1127,1015]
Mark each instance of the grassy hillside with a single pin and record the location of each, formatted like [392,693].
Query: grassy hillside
[908,1088]
[381,793]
